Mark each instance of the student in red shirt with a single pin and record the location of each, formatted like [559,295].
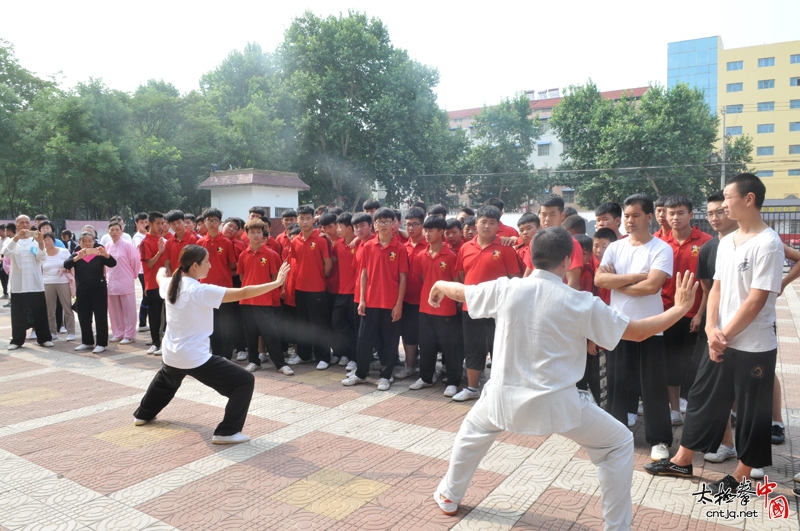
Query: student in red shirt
[258,264]
[528,224]
[592,372]
[679,339]
[288,316]
[200,226]
[398,232]
[481,260]
[504,231]
[268,240]
[232,229]
[438,211]
[328,230]
[608,216]
[661,217]
[313,265]
[223,264]
[362,226]
[182,238]
[453,235]
[440,327]
[409,327]
[151,251]
[370,206]
[470,228]
[551,214]
[384,268]
[343,317]
[190,222]
[288,217]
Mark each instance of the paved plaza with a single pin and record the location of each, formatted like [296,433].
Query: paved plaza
[322,456]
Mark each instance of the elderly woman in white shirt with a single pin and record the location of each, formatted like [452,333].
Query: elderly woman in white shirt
[56,286]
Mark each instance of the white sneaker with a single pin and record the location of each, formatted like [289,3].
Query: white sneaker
[152,350]
[683,403]
[677,418]
[343,361]
[262,357]
[450,391]
[322,365]
[632,417]
[465,394]
[126,341]
[144,328]
[403,373]
[449,508]
[140,422]
[53,337]
[419,384]
[757,473]
[63,330]
[236,438]
[384,384]
[47,344]
[82,347]
[115,339]
[334,360]
[659,452]
[241,356]
[352,379]
[723,453]
[157,352]
[294,359]
[70,337]
[351,365]
[33,335]
[148,342]
[286,370]
[13,346]
[252,367]
[98,349]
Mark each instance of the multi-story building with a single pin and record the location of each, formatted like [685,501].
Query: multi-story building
[548,148]
[756,91]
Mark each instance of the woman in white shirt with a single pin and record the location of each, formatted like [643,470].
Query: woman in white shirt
[56,286]
[185,348]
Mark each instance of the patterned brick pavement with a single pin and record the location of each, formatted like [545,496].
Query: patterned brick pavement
[322,456]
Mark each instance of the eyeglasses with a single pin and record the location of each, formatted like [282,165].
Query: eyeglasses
[715,213]
[383,222]
[213,220]
[413,225]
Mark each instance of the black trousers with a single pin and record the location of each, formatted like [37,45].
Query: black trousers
[227,327]
[377,331]
[439,333]
[679,345]
[649,354]
[223,376]
[90,303]
[259,321]
[154,306]
[4,280]
[143,304]
[746,378]
[478,340]
[345,328]
[35,303]
[313,322]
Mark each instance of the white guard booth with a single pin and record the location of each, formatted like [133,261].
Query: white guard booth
[235,191]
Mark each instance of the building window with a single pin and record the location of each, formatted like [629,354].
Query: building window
[766,106]
[765,151]
[794,150]
[794,81]
[794,126]
[765,173]
[735,87]
[544,150]
[766,84]
[766,61]
[280,210]
[794,173]
[568,195]
[766,128]
[733,130]
[794,104]
[794,59]
[734,109]
[735,65]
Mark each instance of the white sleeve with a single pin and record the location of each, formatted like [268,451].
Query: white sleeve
[9,247]
[608,257]
[211,295]
[663,259]
[605,325]
[768,269]
[483,300]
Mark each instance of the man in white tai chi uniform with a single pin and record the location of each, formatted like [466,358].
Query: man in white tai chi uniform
[539,355]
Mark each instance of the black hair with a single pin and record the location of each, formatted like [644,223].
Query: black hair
[553,200]
[747,183]
[585,241]
[470,221]
[675,201]
[360,217]
[370,204]
[488,211]
[716,197]
[384,213]
[266,221]
[659,202]
[152,216]
[305,210]
[415,213]
[39,217]
[200,218]
[336,210]
[140,216]
[435,222]
[11,226]
[495,202]
[609,208]
[289,214]
[212,212]
[346,219]
[528,217]
[576,223]
[239,222]
[437,210]
[569,211]
[49,235]
[64,232]
[642,200]
[397,214]
[175,215]
[293,229]
[605,234]
[187,215]
[191,254]
[328,218]
[115,224]
[420,204]
[467,210]
[48,223]
[257,210]
[453,223]
[550,247]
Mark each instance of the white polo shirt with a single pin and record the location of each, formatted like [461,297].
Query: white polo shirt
[190,322]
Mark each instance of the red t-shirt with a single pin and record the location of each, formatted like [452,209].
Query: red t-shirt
[506,231]
[384,266]
[147,250]
[359,248]
[275,246]
[258,267]
[221,256]
[576,259]
[239,247]
[685,256]
[661,235]
[414,283]
[283,241]
[490,263]
[332,280]
[439,267]
[523,256]
[345,267]
[174,246]
[458,247]
[309,255]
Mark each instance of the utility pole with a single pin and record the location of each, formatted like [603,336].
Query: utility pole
[724,155]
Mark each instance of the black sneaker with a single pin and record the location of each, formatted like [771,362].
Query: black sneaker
[778,434]
[726,483]
[667,468]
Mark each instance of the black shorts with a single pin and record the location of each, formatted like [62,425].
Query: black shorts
[409,324]
[478,338]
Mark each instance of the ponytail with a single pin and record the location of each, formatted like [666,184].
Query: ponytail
[175,286]
[191,254]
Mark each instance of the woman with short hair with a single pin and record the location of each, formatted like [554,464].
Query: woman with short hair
[56,286]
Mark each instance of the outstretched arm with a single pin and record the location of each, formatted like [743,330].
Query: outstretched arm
[248,292]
